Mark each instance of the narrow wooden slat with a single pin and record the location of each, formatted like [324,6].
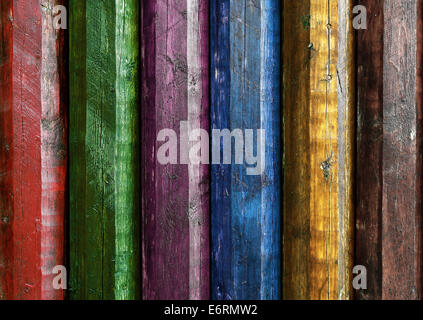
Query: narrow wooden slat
[6,153]
[370,148]
[402,151]
[318,136]
[221,229]
[389,150]
[33,150]
[104,179]
[245,84]
[175,199]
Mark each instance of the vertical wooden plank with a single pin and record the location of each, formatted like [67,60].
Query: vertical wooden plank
[318,136]
[104,119]
[33,150]
[389,236]
[401,165]
[127,267]
[245,84]
[270,117]
[54,161]
[222,271]
[175,199]
[6,151]
[370,148]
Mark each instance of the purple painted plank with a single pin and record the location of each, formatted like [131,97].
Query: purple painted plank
[175,196]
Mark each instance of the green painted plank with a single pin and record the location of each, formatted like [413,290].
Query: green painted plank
[104,208]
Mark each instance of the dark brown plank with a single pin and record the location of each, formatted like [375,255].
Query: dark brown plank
[388,222]
[369,147]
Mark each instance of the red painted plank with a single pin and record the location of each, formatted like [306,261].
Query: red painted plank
[389,172]
[33,150]
[6,140]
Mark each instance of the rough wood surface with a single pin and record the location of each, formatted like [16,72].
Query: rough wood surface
[245,84]
[402,118]
[389,150]
[104,179]
[175,199]
[369,148]
[33,149]
[318,135]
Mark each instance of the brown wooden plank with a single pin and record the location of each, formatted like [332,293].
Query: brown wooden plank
[388,216]
[369,147]
[401,171]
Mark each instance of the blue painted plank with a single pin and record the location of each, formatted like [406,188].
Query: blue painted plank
[221,268]
[245,94]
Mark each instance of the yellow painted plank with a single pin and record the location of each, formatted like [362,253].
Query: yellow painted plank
[318,125]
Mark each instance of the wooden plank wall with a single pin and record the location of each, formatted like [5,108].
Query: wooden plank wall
[175,197]
[318,99]
[245,84]
[33,149]
[350,128]
[104,140]
[389,153]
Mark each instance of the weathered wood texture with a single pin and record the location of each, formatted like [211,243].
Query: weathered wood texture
[175,197]
[318,100]
[104,139]
[33,149]
[388,216]
[369,148]
[245,84]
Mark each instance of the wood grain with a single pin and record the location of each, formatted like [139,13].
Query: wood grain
[370,148]
[104,179]
[33,150]
[388,225]
[245,84]
[175,197]
[318,98]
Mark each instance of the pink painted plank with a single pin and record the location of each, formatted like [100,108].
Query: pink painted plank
[175,197]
